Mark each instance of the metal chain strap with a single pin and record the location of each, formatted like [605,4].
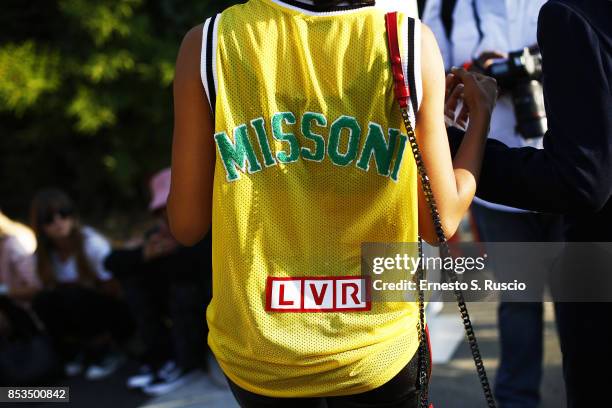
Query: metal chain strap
[451,276]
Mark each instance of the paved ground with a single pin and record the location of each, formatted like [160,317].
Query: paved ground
[108,393]
[454,384]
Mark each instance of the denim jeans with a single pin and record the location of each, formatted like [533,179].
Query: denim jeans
[517,382]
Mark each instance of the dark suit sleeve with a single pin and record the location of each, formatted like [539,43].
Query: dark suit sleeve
[573,173]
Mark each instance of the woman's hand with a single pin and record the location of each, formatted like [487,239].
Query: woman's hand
[477,92]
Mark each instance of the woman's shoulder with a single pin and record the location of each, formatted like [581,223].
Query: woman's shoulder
[189,57]
[92,234]
[94,241]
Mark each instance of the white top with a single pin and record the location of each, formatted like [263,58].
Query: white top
[97,248]
[409,7]
[507,25]
[17,268]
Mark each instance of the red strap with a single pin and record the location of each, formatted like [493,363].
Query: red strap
[401,90]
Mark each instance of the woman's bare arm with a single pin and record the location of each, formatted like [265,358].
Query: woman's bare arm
[193,151]
[453,182]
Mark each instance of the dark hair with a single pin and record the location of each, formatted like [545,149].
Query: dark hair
[45,203]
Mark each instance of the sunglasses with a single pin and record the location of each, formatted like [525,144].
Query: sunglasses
[63,213]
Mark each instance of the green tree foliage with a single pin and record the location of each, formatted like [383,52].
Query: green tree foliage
[86,98]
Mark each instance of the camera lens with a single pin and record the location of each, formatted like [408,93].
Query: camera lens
[528,101]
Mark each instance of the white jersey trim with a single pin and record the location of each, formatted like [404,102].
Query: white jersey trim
[214,48]
[412,55]
[209,43]
[203,59]
[417,61]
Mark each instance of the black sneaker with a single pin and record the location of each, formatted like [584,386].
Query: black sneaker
[147,374]
[169,380]
[75,366]
[105,366]
[142,378]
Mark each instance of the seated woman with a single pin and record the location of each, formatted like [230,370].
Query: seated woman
[18,278]
[26,354]
[79,304]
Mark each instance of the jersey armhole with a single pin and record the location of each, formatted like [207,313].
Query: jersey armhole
[411,48]
[208,60]
[417,64]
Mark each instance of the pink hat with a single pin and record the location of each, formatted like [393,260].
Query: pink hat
[160,189]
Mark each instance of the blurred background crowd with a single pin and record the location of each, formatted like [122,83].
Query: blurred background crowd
[90,275]
[72,304]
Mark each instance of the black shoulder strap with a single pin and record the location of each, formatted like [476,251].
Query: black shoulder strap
[446,15]
[477,21]
[421,7]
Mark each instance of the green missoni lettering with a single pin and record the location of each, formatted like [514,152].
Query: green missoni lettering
[277,132]
[319,141]
[376,145]
[335,133]
[239,155]
[262,137]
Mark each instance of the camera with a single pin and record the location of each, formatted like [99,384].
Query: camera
[520,75]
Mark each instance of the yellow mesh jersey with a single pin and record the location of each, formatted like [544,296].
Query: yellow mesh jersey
[311,162]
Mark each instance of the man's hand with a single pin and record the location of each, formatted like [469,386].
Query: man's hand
[485,59]
[477,92]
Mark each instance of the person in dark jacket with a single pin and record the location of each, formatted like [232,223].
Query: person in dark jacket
[167,287]
[572,176]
